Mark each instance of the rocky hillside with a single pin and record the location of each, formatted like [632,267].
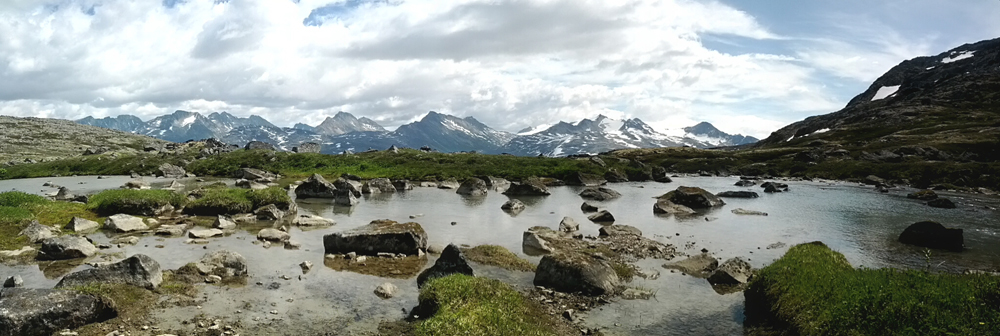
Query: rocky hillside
[36,139]
[707,133]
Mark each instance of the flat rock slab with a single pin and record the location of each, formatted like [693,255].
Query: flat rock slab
[125,223]
[619,230]
[310,220]
[138,270]
[223,263]
[745,212]
[600,194]
[701,265]
[42,312]
[665,207]
[205,233]
[78,224]
[378,236]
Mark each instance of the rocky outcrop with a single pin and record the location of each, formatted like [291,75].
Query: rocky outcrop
[125,223]
[602,216]
[310,220]
[584,179]
[528,187]
[568,225]
[738,194]
[222,263]
[138,270]
[665,207]
[619,230]
[473,187]
[735,271]
[942,203]
[378,236]
[171,171]
[693,197]
[43,312]
[452,261]
[576,273]
[599,194]
[701,265]
[316,187]
[66,247]
[933,235]
[37,232]
[379,185]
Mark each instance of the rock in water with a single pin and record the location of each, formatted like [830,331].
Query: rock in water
[269,212]
[584,179]
[378,236]
[204,233]
[619,230]
[66,247]
[451,261]
[125,223]
[745,212]
[576,272]
[599,194]
[386,290]
[344,185]
[568,225]
[774,187]
[450,183]
[734,271]
[310,220]
[495,183]
[37,232]
[535,241]
[223,263]
[254,174]
[138,270]
[933,235]
[64,194]
[700,266]
[31,312]
[923,195]
[402,185]
[171,171]
[224,223]
[693,197]
[514,205]
[587,207]
[379,185]
[942,203]
[602,216]
[346,199]
[316,187]
[615,176]
[668,207]
[273,235]
[738,194]
[473,187]
[14,282]
[529,187]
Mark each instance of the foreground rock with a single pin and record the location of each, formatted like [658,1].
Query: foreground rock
[451,261]
[379,185]
[693,197]
[568,225]
[37,232]
[700,266]
[576,273]
[31,312]
[316,187]
[473,187]
[942,203]
[378,236]
[599,194]
[738,194]
[528,187]
[139,270]
[125,223]
[386,290]
[78,224]
[344,185]
[514,205]
[735,271]
[66,247]
[933,235]
[224,223]
[668,207]
[222,263]
[602,216]
[14,282]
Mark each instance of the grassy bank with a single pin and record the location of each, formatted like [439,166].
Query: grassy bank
[133,202]
[17,209]
[498,256]
[464,305]
[219,201]
[813,290]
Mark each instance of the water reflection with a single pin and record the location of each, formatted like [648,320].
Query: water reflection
[473,201]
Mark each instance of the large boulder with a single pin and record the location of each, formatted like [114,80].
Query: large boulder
[379,185]
[933,235]
[222,263]
[669,208]
[599,194]
[64,194]
[528,187]
[738,194]
[473,187]
[307,147]
[125,223]
[495,183]
[584,179]
[171,171]
[37,232]
[450,183]
[774,187]
[269,212]
[44,312]
[701,265]
[603,216]
[572,272]
[942,203]
[568,225]
[923,195]
[619,230]
[660,175]
[693,197]
[452,261]
[316,187]
[66,247]
[252,145]
[344,185]
[253,174]
[138,270]
[378,236]
[615,176]
[734,271]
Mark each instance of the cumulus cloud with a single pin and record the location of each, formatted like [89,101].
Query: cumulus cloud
[509,63]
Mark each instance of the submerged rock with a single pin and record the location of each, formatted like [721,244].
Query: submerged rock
[473,187]
[30,312]
[942,203]
[316,187]
[599,194]
[668,207]
[451,261]
[738,194]
[923,195]
[310,220]
[513,205]
[933,235]
[386,290]
[576,272]
[224,223]
[745,212]
[273,235]
[734,271]
[602,216]
[378,236]
[701,265]
[66,247]
[138,270]
[693,197]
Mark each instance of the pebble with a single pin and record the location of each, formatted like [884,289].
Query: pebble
[274,312]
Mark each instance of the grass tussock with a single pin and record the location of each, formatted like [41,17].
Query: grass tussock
[132,303]
[218,201]
[18,209]
[464,305]
[132,202]
[498,256]
[813,290]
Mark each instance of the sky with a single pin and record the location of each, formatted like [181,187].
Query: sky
[748,67]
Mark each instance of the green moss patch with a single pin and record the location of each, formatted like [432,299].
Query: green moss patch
[217,201]
[12,221]
[17,209]
[133,202]
[464,305]
[813,290]
[498,256]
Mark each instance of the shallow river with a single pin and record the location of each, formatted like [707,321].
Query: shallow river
[854,220]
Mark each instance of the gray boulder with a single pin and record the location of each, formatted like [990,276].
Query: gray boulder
[316,187]
[451,183]
[307,147]
[473,187]
[310,220]
[222,263]
[378,236]
[253,174]
[513,205]
[14,282]
[602,216]
[734,271]
[528,187]
[495,183]
[66,247]
[346,199]
[701,265]
[138,270]
[599,194]
[576,273]
[273,235]
[43,312]
[379,185]
[224,223]
[64,194]
[693,197]
[774,187]
[660,175]
[451,261]
[587,207]
[37,232]
[942,203]
[738,194]
[568,225]
[78,224]
[344,185]
[402,185]
[923,195]
[171,171]
[386,290]
[269,212]
[615,176]
[668,207]
[125,223]
[619,230]
[537,240]
[584,179]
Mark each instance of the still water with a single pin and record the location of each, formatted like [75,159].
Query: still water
[854,220]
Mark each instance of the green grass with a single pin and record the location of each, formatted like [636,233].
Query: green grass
[465,305]
[216,201]
[132,303]
[813,290]
[12,221]
[17,209]
[133,202]
[624,271]
[498,256]
[17,198]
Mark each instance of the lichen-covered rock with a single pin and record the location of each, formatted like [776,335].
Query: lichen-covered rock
[734,271]
[43,312]
[66,247]
[316,187]
[307,147]
[125,223]
[576,273]
[37,232]
[693,197]
[473,187]
[599,194]
[513,205]
[451,261]
[138,270]
[223,263]
[379,185]
[378,236]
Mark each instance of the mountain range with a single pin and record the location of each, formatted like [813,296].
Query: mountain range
[441,132]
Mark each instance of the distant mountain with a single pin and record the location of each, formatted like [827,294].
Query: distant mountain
[37,139]
[179,126]
[452,134]
[282,138]
[344,122]
[592,136]
[124,123]
[707,133]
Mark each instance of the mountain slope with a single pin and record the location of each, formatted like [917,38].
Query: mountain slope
[344,122]
[707,133]
[49,139]
[591,137]
[447,133]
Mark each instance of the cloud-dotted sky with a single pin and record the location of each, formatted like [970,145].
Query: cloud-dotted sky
[746,66]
